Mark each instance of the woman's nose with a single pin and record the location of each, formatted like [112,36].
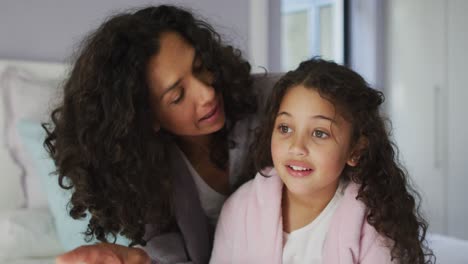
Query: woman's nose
[204,92]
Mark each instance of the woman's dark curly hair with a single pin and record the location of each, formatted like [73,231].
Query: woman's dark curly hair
[101,136]
[385,190]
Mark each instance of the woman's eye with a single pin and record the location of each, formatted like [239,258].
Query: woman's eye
[197,65]
[179,98]
[319,134]
[284,129]
[204,76]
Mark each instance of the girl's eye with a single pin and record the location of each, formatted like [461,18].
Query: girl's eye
[320,134]
[284,129]
[179,98]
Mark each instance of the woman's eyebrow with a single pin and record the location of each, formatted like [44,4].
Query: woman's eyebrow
[171,87]
[283,113]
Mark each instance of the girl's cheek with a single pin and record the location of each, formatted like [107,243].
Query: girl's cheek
[278,148]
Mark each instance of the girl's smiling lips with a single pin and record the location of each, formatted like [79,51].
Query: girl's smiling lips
[298,168]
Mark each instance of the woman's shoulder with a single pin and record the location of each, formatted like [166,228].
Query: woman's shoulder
[265,81]
[263,85]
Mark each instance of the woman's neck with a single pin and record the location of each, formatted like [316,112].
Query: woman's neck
[298,211]
[197,150]
[195,145]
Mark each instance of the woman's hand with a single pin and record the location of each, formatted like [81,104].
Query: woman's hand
[104,253]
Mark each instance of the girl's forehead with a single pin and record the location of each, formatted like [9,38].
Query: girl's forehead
[306,98]
[307,102]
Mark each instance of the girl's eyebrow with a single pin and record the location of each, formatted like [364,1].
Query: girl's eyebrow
[323,117]
[284,113]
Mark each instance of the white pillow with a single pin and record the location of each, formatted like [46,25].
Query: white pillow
[26,97]
[27,233]
[11,190]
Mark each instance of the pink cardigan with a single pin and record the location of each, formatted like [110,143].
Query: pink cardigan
[250,228]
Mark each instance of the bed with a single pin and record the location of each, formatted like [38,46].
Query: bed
[34,225]
[27,226]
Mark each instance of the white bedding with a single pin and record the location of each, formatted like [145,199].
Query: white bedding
[32,261]
[449,250]
[12,195]
[27,235]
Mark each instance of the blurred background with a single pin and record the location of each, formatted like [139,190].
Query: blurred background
[412,50]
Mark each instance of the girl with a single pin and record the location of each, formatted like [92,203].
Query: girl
[335,193]
[152,130]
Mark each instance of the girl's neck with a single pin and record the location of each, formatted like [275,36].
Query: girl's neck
[298,211]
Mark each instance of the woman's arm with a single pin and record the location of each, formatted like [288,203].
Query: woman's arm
[161,249]
[104,253]
[167,249]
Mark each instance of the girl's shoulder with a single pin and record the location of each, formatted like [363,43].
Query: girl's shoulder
[350,205]
[265,187]
[352,232]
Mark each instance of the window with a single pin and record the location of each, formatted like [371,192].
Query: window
[311,28]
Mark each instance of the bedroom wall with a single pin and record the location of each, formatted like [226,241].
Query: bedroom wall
[367,42]
[48,30]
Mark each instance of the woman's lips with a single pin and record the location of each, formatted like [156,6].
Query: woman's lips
[211,115]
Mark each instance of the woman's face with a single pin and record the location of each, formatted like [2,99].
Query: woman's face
[181,92]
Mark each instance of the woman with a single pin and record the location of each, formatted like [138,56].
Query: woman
[152,135]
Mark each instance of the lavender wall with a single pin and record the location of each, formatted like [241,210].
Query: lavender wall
[49,30]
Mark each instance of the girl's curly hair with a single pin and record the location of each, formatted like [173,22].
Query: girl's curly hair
[385,190]
[101,136]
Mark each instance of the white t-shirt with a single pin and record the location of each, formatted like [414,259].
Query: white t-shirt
[211,200]
[305,245]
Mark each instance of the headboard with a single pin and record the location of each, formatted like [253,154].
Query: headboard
[45,69]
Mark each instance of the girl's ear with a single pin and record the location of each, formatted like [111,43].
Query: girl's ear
[356,152]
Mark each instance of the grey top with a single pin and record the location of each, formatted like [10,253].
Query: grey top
[194,242]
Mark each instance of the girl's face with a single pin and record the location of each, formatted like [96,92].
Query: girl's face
[310,144]
[182,97]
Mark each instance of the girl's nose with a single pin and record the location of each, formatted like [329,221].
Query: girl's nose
[298,147]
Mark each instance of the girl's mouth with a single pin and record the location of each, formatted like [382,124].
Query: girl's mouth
[298,170]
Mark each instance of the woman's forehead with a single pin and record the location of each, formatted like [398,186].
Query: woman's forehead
[172,62]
